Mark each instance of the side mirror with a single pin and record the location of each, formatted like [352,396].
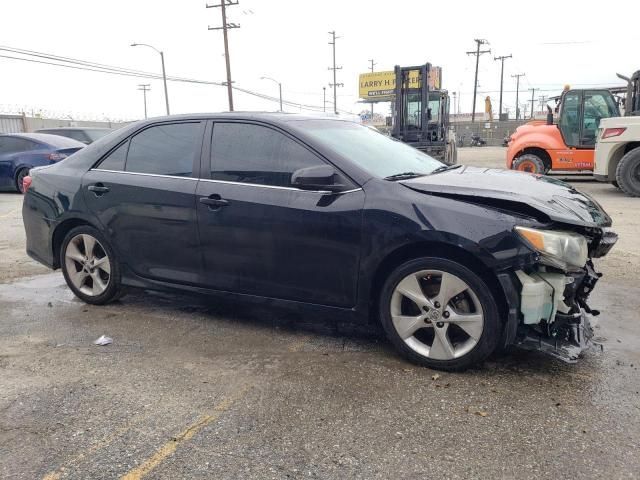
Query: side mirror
[549,115]
[320,177]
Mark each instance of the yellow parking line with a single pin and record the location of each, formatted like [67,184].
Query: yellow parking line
[56,474]
[52,476]
[168,448]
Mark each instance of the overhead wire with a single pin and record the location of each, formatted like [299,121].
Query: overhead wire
[77,64]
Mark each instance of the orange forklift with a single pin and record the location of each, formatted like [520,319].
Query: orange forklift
[540,147]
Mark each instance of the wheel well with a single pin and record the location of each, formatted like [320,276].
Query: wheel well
[17,172]
[58,236]
[631,146]
[441,250]
[538,152]
[616,156]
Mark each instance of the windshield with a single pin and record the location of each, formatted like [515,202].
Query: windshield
[374,152]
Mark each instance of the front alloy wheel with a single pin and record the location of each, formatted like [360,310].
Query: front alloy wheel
[442,316]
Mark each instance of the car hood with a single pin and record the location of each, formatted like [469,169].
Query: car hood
[515,191]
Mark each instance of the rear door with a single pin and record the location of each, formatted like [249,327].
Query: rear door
[143,193]
[267,238]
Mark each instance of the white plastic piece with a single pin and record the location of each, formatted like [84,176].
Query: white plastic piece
[536,299]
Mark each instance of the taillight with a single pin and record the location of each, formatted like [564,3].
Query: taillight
[612,132]
[57,156]
[26,183]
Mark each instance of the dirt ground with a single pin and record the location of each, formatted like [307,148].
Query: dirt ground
[191,389]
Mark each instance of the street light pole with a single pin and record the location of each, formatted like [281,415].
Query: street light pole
[164,73]
[279,88]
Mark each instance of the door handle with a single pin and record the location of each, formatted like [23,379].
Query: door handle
[98,189]
[214,202]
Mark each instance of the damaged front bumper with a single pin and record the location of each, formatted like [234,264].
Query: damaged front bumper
[554,316]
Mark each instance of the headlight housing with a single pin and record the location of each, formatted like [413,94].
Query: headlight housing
[564,250]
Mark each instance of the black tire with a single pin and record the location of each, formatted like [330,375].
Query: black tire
[616,184]
[489,338]
[529,163]
[20,174]
[114,289]
[628,173]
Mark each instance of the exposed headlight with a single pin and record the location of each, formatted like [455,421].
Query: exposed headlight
[565,250]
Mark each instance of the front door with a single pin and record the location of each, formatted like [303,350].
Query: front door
[261,236]
[143,193]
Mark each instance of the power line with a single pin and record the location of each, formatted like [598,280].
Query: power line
[76,64]
[477,53]
[226,26]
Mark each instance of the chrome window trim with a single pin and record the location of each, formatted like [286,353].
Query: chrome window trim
[142,173]
[277,187]
[224,181]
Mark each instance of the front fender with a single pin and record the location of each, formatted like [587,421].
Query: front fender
[545,137]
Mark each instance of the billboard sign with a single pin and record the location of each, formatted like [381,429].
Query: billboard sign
[381,86]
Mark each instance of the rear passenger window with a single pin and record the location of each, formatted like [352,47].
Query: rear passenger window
[116,159]
[165,150]
[254,154]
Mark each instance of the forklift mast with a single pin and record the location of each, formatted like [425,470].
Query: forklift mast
[421,115]
[411,104]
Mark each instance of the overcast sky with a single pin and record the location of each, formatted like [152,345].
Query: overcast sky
[552,42]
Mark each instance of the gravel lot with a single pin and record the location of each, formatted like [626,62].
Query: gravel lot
[190,389]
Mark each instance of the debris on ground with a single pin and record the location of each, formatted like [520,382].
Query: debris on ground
[476,411]
[103,340]
[435,377]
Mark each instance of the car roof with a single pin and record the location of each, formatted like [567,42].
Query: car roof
[48,129]
[271,117]
[56,141]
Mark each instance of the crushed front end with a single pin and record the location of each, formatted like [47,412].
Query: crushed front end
[555,316]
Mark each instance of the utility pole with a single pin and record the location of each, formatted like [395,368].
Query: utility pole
[517,77]
[477,53]
[543,102]
[324,99]
[145,87]
[334,68]
[533,92]
[502,59]
[455,107]
[226,26]
[373,64]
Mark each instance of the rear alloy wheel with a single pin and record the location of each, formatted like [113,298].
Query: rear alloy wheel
[23,172]
[439,314]
[628,173]
[529,163]
[89,266]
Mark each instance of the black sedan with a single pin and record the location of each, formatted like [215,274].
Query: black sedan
[328,215]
